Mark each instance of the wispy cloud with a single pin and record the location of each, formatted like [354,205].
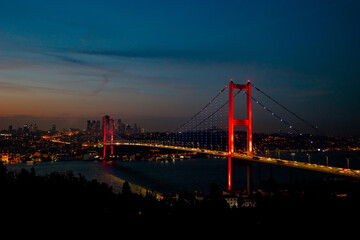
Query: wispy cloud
[311,93]
[15,87]
[69,59]
[103,82]
[89,71]
[173,54]
[120,75]
[9,65]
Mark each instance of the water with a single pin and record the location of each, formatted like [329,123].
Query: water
[162,177]
[190,174]
[90,169]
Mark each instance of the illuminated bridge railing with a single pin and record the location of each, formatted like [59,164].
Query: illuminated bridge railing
[346,172]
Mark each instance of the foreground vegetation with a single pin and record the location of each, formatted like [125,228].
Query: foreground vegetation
[27,197]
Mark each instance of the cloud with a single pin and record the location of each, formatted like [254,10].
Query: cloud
[173,54]
[104,81]
[311,93]
[88,72]
[71,60]
[125,77]
[14,87]
[9,65]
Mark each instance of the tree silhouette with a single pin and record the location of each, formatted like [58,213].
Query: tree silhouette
[126,191]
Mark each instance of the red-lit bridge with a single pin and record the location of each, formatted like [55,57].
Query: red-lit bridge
[345,172]
[207,133]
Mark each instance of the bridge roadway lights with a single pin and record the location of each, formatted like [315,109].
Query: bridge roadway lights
[245,160]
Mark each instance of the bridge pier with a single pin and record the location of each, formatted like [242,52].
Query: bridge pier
[249,174]
[229,173]
[111,150]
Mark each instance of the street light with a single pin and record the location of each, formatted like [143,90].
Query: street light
[347,162]
[266,153]
[293,156]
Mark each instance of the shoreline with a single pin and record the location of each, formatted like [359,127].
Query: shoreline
[117,183]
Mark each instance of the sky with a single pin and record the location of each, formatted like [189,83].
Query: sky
[157,63]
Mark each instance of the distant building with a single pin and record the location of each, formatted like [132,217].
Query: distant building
[231,200]
[120,127]
[88,125]
[53,129]
[231,197]
[26,128]
[35,128]
[94,128]
[106,119]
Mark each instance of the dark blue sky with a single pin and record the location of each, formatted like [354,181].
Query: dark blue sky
[158,62]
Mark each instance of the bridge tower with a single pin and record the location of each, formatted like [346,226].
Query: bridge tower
[232,122]
[108,130]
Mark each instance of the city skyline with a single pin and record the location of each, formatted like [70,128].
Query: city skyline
[90,125]
[158,63]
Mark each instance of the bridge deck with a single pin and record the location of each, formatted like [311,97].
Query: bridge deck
[346,172]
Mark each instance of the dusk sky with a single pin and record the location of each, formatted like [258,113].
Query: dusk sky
[157,63]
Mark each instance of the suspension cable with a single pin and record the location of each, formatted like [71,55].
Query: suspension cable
[291,112]
[202,108]
[215,111]
[274,114]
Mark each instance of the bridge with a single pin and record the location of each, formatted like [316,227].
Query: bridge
[208,133]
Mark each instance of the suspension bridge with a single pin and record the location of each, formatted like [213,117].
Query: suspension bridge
[211,131]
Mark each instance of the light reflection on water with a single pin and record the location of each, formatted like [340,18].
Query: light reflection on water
[184,175]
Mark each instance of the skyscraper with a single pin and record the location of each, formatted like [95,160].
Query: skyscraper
[88,125]
[53,129]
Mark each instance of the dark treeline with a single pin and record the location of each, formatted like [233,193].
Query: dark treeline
[27,197]
[66,196]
